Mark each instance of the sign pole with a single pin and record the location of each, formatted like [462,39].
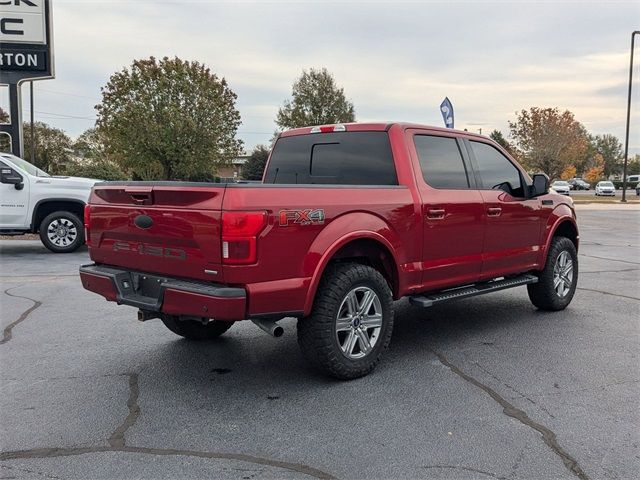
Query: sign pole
[15,127]
[33,132]
[626,137]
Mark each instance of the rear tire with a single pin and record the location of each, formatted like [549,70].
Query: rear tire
[351,322]
[62,232]
[557,282]
[195,330]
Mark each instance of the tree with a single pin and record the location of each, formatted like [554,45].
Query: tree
[90,145]
[595,173]
[611,150]
[497,137]
[100,169]
[4,116]
[52,147]
[548,140]
[254,168]
[5,142]
[169,119]
[568,173]
[316,100]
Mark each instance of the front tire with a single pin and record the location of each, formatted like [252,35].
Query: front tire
[351,323]
[557,282]
[62,232]
[195,330]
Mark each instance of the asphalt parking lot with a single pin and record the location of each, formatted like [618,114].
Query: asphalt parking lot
[483,388]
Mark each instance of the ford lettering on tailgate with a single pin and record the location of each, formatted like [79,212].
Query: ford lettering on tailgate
[144,249]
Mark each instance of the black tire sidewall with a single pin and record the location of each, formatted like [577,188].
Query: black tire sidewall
[79,241]
[543,294]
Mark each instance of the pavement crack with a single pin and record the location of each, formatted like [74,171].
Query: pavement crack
[117,437]
[582,272]
[27,470]
[7,334]
[467,469]
[512,411]
[513,389]
[607,293]
[37,453]
[610,259]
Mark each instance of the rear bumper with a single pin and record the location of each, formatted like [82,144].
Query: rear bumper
[160,294]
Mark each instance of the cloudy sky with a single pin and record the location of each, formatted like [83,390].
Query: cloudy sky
[395,60]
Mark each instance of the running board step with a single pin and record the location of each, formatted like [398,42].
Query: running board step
[471,290]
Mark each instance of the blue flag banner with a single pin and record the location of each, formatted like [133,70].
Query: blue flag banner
[447,112]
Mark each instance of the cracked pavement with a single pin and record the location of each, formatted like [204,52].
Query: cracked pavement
[483,388]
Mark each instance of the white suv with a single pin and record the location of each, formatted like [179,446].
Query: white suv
[33,201]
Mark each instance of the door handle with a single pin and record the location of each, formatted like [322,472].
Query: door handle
[435,213]
[494,211]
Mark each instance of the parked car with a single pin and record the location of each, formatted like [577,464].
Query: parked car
[35,202]
[605,188]
[349,218]
[579,184]
[562,187]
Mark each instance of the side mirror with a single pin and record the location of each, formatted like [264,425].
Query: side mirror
[10,177]
[540,185]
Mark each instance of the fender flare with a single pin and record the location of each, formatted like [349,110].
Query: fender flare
[341,231]
[38,204]
[561,214]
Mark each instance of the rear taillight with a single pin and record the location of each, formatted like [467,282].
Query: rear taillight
[87,224]
[240,232]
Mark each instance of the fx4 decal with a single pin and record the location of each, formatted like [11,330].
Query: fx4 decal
[309,216]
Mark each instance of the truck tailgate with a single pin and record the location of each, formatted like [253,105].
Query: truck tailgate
[169,229]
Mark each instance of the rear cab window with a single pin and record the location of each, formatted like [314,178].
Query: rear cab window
[441,162]
[337,158]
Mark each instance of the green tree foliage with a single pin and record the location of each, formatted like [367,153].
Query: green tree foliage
[633,165]
[611,150]
[4,116]
[548,140]
[497,137]
[315,100]
[90,145]
[5,142]
[254,168]
[52,147]
[169,119]
[100,169]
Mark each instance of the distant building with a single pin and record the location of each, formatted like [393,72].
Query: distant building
[233,171]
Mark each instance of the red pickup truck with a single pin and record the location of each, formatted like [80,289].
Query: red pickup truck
[348,218]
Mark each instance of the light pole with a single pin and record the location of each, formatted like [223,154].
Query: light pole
[626,139]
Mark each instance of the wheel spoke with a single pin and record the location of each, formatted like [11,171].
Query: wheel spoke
[349,343]
[363,340]
[352,303]
[343,324]
[372,321]
[367,301]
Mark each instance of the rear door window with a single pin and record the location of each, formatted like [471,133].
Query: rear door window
[338,158]
[441,162]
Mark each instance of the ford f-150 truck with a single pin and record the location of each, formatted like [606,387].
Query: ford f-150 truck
[348,218]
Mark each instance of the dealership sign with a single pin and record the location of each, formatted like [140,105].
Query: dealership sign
[25,40]
[26,53]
